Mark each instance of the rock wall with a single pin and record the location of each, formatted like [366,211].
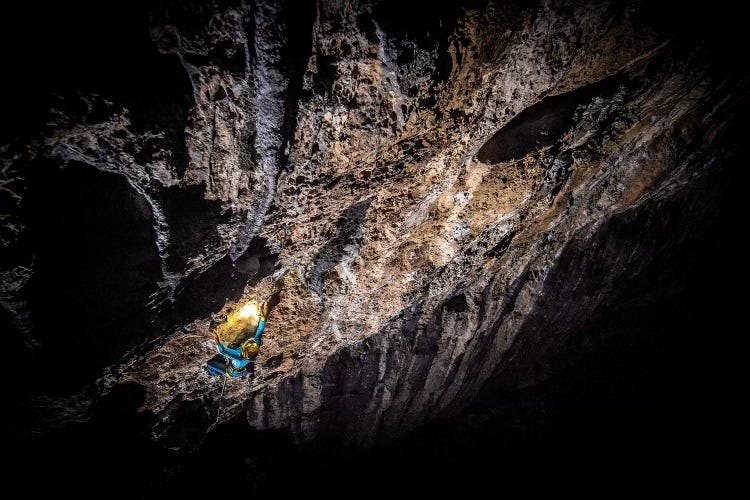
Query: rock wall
[459,194]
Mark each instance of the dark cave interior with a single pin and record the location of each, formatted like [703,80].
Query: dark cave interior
[641,408]
[638,392]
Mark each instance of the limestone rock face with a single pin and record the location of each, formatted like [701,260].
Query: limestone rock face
[458,195]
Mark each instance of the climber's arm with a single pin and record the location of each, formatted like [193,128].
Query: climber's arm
[229,353]
[265,310]
[259,330]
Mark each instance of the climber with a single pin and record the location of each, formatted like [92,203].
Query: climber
[236,359]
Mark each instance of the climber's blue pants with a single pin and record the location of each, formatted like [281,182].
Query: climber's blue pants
[217,367]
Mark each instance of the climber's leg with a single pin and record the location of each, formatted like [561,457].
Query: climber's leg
[216,366]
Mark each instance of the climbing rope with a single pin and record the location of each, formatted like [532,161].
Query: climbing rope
[221,399]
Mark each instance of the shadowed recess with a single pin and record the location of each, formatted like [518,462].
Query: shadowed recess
[104,48]
[300,17]
[349,232]
[207,292]
[95,264]
[193,222]
[541,125]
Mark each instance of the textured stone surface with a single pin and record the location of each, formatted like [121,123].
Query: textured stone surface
[455,199]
